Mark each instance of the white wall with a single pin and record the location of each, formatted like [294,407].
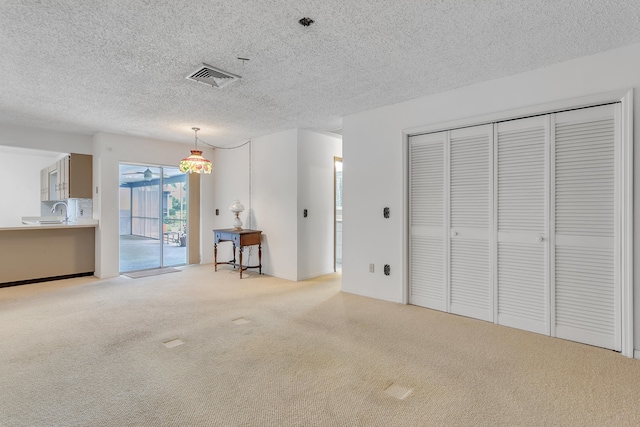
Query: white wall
[48,140]
[275,189]
[109,151]
[230,181]
[374,171]
[315,193]
[207,211]
[290,171]
[20,178]
[269,198]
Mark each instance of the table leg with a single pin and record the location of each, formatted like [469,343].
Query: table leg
[241,262]
[260,258]
[234,255]
[215,256]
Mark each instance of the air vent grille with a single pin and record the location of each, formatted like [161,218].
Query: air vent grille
[212,76]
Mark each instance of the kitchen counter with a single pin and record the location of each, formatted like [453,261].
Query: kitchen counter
[81,223]
[38,252]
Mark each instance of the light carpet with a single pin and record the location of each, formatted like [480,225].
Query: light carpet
[208,349]
[153,272]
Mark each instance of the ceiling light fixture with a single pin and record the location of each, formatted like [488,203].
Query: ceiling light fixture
[195,162]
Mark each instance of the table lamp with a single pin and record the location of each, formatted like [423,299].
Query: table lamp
[236,208]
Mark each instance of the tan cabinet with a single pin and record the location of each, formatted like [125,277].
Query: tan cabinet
[44,184]
[69,178]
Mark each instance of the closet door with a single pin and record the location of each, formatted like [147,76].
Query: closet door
[586,294]
[471,159]
[428,218]
[522,219]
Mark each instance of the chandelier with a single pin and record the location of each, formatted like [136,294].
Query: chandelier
[195,162]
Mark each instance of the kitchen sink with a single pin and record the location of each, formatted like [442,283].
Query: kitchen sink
[43,220]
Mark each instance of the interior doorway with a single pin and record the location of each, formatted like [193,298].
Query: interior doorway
[153,217]
[337,214]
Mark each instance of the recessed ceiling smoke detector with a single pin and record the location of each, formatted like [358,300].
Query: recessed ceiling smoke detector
[213,76]
[305,22]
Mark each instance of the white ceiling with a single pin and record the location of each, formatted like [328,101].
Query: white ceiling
[120,65]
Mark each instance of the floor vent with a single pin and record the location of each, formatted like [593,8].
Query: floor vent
[398,391]
[173,343]
[213,76]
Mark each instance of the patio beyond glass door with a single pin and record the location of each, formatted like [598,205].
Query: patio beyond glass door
[153,213]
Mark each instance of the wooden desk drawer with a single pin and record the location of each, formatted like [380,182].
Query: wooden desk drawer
[250,239]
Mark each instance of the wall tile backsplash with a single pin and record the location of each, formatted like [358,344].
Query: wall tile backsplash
[78,209]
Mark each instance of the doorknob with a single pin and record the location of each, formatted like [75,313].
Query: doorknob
[540,239]
[454,233]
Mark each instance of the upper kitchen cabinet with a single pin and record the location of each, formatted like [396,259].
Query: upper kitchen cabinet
[44,184]
[69,178]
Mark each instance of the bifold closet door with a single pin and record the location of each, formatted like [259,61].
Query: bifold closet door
[586,290]
[522,223]
[450,221]
[515,222]
[471,203]
[428,218]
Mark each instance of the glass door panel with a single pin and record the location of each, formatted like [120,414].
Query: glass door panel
[141,207]
[174,217]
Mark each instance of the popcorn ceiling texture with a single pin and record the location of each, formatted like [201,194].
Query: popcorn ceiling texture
[120,65]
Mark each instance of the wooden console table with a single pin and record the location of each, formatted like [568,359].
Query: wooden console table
[240,239]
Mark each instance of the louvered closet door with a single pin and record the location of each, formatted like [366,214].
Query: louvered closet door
[428,246]
[586,291]
[471,155]
[522,219]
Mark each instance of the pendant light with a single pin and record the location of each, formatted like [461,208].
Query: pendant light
[195,162]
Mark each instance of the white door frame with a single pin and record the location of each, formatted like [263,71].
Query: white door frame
[624,176]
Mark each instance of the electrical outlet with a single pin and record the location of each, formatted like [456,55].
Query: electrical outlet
[81,212]
[387,269]
[371,268]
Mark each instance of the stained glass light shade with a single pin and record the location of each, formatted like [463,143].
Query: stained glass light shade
[195,163]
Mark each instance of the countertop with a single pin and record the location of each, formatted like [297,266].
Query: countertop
[18,225]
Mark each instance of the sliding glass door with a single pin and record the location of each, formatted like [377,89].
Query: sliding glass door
[153,215]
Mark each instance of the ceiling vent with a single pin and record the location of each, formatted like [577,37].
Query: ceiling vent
[213,76]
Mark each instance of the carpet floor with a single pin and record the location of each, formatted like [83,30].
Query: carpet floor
[208,349]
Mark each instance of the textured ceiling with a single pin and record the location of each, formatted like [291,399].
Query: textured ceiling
[120,65]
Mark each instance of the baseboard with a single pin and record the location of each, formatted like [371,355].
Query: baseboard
[368,295]
[636,354]
[312,275]
[45,279]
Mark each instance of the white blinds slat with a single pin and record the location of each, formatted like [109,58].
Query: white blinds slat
[584,172]
[427,183]
[470,184]
[470,276]
[521,177]
[427,272]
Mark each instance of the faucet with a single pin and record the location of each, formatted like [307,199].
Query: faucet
[53,209]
